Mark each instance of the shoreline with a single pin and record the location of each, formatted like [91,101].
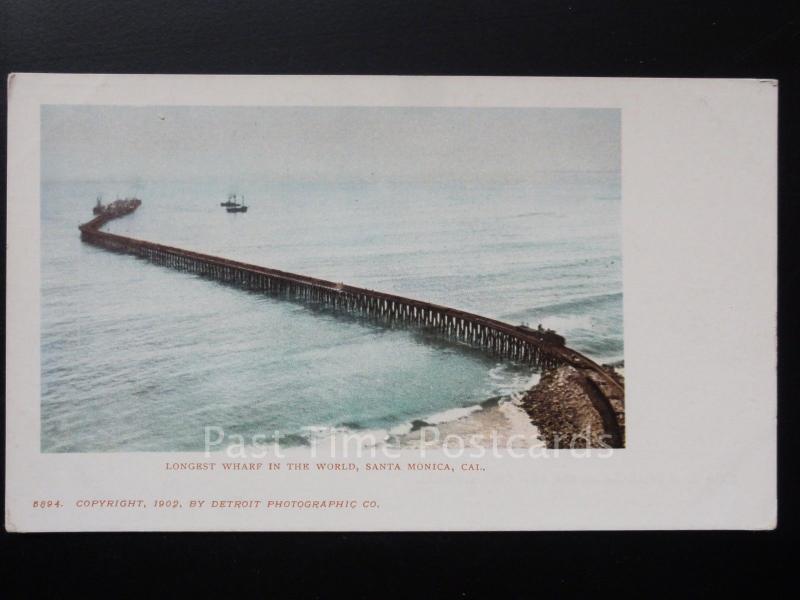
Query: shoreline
[562,409]
[498,421]
[559,409]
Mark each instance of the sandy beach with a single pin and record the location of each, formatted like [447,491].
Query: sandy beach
[498,421]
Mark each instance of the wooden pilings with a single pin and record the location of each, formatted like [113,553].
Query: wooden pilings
[496,338]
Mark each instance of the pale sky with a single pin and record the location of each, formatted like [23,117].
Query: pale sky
[121,143]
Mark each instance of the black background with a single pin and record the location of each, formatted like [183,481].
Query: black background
[669,38]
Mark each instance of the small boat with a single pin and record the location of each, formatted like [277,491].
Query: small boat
[230,202]
[98,208]
[237,208]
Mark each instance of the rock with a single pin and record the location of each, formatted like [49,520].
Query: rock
[571,412]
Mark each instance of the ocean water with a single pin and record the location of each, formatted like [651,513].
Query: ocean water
[137,357]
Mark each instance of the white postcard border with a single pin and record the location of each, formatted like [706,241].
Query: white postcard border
[699,258]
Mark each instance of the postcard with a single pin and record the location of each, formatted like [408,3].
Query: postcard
[344,303]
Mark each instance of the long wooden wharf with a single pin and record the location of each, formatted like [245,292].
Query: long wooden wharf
[520,344]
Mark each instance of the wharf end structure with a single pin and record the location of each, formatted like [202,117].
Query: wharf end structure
[539,349]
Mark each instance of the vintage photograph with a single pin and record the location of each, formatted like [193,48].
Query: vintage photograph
[410,275]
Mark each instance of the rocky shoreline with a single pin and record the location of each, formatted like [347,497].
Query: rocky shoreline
[567,408]
[569,411]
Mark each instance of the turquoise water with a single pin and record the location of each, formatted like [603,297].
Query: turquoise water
[141,358]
